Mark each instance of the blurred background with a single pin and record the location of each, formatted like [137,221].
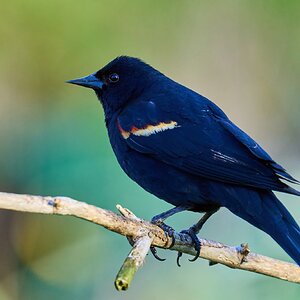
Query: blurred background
[243,55]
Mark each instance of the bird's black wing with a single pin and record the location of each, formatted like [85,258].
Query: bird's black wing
[201,141]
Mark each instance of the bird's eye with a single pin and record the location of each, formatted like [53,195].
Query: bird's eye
[113,77]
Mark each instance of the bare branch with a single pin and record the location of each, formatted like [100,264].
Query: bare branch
[132,262]
[134,228]
[136,256]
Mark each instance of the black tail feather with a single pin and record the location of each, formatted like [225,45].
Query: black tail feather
[271,216]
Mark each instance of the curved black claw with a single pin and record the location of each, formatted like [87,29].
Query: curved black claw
[196,241]
[169,232]
[179,254]
[154,253]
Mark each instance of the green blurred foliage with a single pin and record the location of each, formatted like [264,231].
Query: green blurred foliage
[244,55]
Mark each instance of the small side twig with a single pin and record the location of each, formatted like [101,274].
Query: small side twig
[133,261]
[136,256]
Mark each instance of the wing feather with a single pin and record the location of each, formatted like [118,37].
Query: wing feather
[206,144]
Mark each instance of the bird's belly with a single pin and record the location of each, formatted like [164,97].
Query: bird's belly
[165,181]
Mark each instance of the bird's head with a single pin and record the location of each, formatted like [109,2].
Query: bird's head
[120,81]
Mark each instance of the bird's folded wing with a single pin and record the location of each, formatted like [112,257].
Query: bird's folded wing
[206,144]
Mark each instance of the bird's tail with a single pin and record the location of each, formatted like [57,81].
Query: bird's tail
[265,211]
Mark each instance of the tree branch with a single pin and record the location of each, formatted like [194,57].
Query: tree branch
[145,234]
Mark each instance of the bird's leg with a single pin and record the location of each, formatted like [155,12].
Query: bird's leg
[159,221]
[193,231]
[198,226]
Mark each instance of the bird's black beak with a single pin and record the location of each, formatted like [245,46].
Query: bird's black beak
[90,81]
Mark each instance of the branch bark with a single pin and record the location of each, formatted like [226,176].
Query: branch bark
[145,234]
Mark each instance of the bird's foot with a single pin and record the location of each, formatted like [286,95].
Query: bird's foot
[192,232]
[168,230]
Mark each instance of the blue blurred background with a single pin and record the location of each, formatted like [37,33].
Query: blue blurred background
[244,55]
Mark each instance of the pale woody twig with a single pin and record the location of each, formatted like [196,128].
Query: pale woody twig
[135,228]
[133,261]
[136,256]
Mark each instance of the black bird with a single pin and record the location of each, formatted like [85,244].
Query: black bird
[181,147]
